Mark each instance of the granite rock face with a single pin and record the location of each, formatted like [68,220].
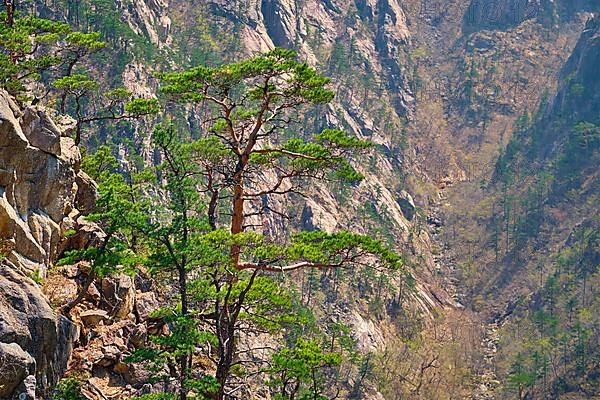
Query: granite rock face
[505,14]
[578,97]
[39,171]
[15,365]
[378,29]
[37,185]
[280,21]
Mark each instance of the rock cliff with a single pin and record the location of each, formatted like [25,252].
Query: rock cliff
[505,14]
[41,188]
[321,30]
[580,79]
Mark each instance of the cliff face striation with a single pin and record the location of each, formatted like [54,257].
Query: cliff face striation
[41,188]
[578,97]
[321,30]
[506,14]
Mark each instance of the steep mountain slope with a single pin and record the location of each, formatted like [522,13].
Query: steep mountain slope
[530,220]
[378,199]
[555,237]
[470,104]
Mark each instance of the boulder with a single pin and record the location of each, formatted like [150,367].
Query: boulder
[93,318]
[118,295]
[88,234]
[15,366]
[87,193]
[93,294]
[136,374]
[71,271]
[121,368]
[139,336]
[60,289]
[28,321]
[145,303]
[41,131]
[110,357]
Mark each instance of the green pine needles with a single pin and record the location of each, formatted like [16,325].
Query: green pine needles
[192,219]
[45,60]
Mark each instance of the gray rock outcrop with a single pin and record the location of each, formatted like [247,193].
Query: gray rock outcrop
[15,365]
[578,97]
[407,205]
[39,175]
[505,14]
[118,295]
[280,21]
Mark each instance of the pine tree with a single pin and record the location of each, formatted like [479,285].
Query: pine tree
[117,213]
[225,272]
